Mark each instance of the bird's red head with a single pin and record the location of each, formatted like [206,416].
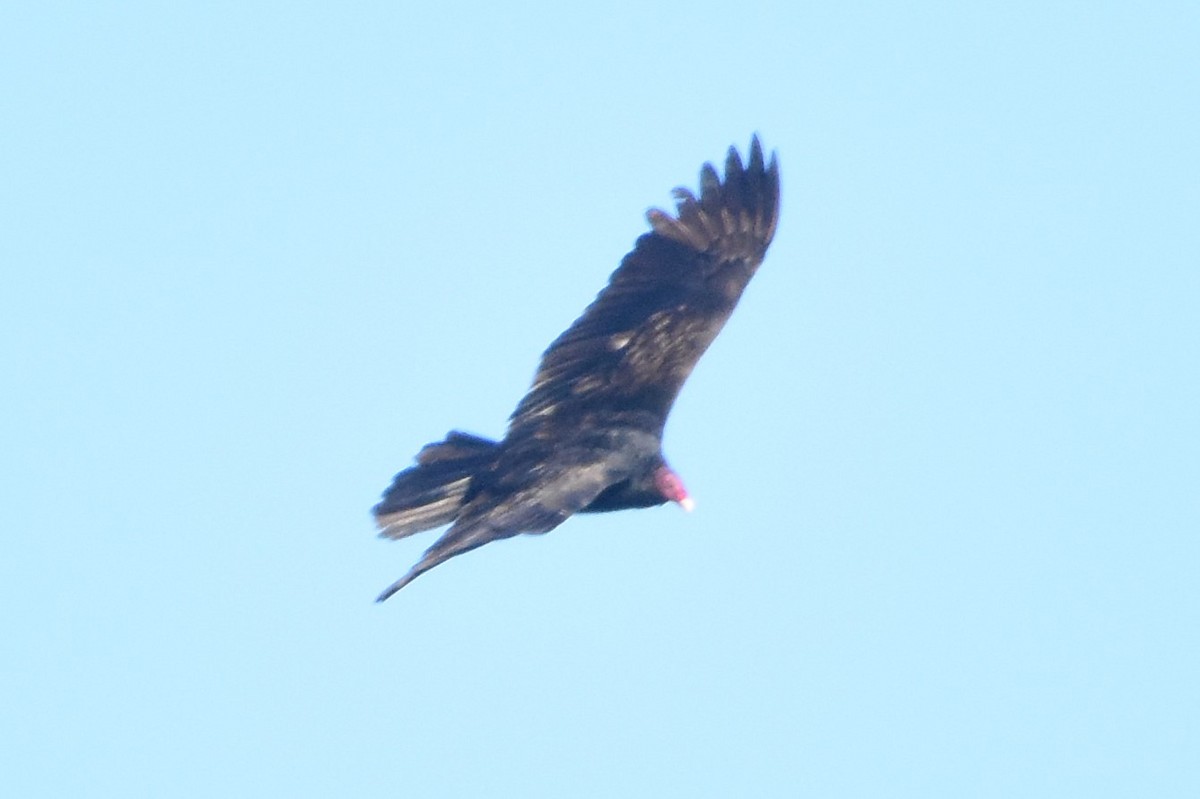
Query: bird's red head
[670,486]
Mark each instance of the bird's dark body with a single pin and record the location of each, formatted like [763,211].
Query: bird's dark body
[587,437]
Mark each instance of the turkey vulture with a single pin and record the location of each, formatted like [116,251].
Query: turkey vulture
[588,435]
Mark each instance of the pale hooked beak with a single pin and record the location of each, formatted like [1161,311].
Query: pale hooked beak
[671,488]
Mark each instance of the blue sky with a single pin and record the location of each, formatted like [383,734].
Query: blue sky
[945,454]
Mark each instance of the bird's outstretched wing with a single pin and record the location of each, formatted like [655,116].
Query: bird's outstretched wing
[630,352]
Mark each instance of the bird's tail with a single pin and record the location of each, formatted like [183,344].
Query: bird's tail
[431,493]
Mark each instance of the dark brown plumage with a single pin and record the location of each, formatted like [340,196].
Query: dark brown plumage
[588,435]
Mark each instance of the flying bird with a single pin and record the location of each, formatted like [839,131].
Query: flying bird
[587,437]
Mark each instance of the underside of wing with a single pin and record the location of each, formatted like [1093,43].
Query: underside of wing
[530,500]
[635,345]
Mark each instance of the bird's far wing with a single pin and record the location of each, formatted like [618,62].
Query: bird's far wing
[635,345]
[538,506]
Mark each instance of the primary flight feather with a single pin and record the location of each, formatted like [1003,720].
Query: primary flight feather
[588,435]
